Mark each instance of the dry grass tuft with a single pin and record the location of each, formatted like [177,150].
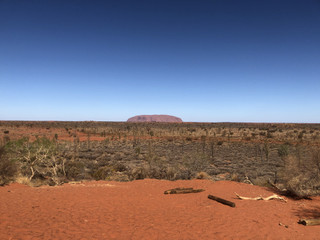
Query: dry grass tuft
[203,175]
[235,177]
[24,180]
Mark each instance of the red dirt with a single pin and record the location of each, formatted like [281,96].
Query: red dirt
[33,132]
[140,210]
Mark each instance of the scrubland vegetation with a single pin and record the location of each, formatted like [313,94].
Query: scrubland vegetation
[286,155]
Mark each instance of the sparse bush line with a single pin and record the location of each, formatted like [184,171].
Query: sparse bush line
[163,151]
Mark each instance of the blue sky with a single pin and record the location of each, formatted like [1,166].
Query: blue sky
[204,61]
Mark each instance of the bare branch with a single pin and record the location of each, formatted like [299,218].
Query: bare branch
[274,196]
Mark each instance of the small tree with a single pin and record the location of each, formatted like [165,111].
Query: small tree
[283,151]
[266,150]
[38,158]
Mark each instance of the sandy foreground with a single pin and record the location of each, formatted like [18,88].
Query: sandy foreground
[141,210]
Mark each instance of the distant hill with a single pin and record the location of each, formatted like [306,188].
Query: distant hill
[154,118]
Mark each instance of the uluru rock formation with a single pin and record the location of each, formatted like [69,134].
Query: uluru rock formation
[154,118]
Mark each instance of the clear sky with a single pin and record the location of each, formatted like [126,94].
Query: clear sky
[201,60]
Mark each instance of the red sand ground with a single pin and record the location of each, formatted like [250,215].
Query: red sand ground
[140,210]
[33,132]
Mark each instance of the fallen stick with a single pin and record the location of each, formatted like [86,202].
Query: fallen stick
[310,222]
[274,196]
[221,200]
[182,191]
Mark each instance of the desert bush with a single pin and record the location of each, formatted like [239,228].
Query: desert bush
[219,143]
[302,179]
[300,136]
[170,139]
[103,173]
[37,159]
[119,167]
[162,172]
[74,170]
[283,151]
[139,173]
[118,176]
[196,163]
[269,134]
[235,177]
[203,175]
[117,156]
[153,169]
[6,139]
[266,150]
[171,173]
[316,159]
[184,174]
[261,181]
[8,168]
[188,139]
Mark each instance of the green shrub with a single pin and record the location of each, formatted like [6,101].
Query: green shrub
[103,173]
[74,170]
[8,168]
[283,151]
[37,159]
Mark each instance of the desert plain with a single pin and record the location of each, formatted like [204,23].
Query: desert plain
[102,180]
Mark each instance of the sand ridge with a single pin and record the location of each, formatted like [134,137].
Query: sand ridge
[141,210]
